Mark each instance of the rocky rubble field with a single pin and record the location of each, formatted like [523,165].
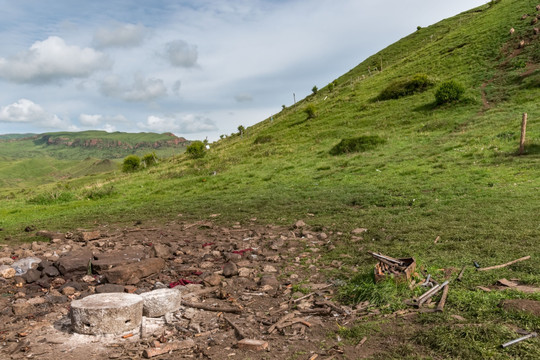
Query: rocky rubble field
[247,292]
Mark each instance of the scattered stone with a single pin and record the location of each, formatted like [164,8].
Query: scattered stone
[36,301]
[536,31]
[206,265]
[31,276]
[99,314]
[159,302]
[168,347]
[132,273]
[269,269]
[68,291]
[244,272]
[74,262]
[322,236]
[270,280]
[213,280]
[299,224]
[84,236]
[109,288]
[130,289]
[22,308]
[6,261]
[161,251]
[230,269]
[56,299]
[108,260]
[524,16]
[19,281]
[254,345]
[359,231]
[44,282]
[7,272]
[58,282]
[88,279]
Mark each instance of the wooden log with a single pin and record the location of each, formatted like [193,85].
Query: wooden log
[461,273]
[442,302]
[523,132]
[165,348]
[211,308]
[504,265]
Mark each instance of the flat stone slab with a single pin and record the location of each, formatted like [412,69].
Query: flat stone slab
[131,274]
[111,313]
[74,262]
[108,260]
[161,301]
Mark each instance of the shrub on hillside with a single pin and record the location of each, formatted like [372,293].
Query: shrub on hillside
[418,83]
[310,111]
[150,159]
[131,163]
[263,139]
[196,149]
[315,89]
[448,92]
[358,144]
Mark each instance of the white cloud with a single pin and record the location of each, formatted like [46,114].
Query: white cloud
[120,35]
[90,120]
[109,128]
[185,124]
[181,54]
[28,112]
[97,119]
[142,89]
[51,60]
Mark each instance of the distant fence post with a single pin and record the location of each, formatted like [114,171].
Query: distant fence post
[523,132]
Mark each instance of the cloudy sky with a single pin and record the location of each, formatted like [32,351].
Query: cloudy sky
[197,68]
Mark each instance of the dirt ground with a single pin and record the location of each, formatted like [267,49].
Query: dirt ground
[264,280]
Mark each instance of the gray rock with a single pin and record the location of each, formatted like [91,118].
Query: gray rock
[50,271]
[109,288]
[230,269]
[32,275]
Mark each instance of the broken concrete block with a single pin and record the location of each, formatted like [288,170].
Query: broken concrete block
[159,302]
[251,344]
[132,273]
[113,313]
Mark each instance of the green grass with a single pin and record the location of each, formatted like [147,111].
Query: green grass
[450,171]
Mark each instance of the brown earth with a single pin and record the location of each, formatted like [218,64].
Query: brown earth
[244,275]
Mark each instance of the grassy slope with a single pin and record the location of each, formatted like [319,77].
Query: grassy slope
[448,171]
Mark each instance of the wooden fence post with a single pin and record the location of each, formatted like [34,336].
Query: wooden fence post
[523,132]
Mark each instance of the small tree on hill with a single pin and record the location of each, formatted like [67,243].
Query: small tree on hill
[150,159]
[241,130]
[448,92]
[310,111]
[196,149]
[315,89]
[131,163]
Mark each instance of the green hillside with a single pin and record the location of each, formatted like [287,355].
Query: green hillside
[93,143]
[29,160]
[423,170]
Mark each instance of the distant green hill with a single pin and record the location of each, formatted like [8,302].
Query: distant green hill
[98,144]
[35,159]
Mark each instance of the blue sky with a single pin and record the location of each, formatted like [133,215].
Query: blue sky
[197,68]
